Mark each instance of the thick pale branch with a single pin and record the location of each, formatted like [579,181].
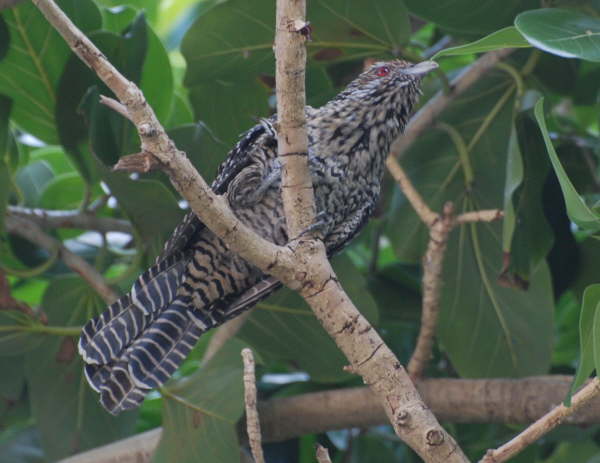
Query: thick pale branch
[71,219]
[322,454]
[363,347]
[506,401]
[213,210]
[290,58]
[32,232]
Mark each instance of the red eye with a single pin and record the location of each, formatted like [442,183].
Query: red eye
[382,71]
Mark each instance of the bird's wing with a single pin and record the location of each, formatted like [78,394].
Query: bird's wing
[261,135]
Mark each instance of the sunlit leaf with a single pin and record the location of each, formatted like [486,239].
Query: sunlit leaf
[509,37]
[565,33]
[30,70]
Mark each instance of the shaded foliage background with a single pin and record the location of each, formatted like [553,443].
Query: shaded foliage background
[512,290]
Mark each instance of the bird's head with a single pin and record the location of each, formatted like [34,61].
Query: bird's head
[396,77]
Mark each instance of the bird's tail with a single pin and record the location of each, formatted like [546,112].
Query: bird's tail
[140,340]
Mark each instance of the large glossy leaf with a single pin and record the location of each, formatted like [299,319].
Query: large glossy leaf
[66,409]
[509,37]
[589,355]
[284,328]
[30,70]
[527,236]
[201,412]
[577,209]
[231,63]
[139,55]
[470,16]
[474,305]
[143,201]
[564,33]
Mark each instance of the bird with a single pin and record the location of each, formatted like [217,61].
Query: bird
[197,283]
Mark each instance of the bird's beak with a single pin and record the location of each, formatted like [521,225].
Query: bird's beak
[421,68]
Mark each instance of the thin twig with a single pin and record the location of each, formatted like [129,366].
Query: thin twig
[71,219]
[439,231]
[32,232]
[440,226]
[252,422]
[485,215]
[543,425]
[7,302]
[426,215]
[115,106]
[322,454]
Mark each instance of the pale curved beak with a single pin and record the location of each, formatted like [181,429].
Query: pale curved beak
[421,68]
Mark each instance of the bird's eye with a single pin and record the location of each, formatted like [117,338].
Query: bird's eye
[382,71]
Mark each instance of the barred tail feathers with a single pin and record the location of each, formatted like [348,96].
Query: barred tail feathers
[106,336]
[150,360]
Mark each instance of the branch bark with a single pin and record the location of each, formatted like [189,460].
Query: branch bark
[71,219]
[506,401]
[252,420]
[32,232]
[542,426]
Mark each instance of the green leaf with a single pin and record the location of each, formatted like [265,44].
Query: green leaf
[140,56]
[202,410]
[474,305]
[514,179]
[470,16]
[509,37]
[283,328]
[143,201]
[589,339]
[15,339]
[5,180]
[527,236]
[230,58]
[578,211]
[65,191]
[32,180]
[565,33]
[22,446]
[36,56]
[66,409]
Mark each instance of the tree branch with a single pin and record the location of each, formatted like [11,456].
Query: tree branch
[301,265]
[542,426]
[506,401]
[70,219]
[32,232]
[252,422]
[322,454]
